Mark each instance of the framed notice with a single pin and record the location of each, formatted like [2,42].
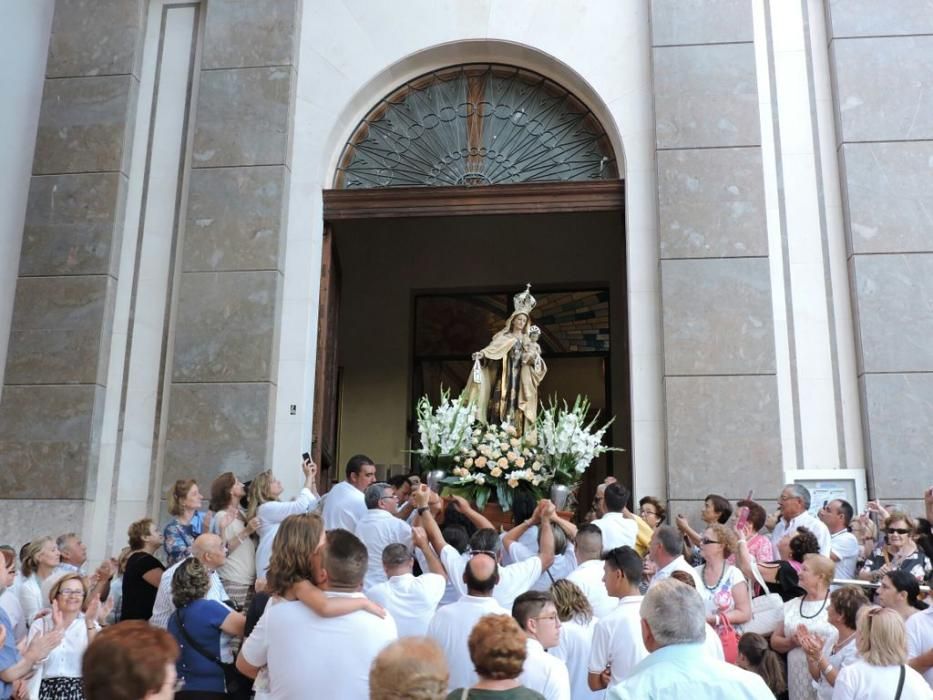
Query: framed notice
[828,484]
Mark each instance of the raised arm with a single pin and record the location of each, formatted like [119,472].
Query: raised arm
[420,539]
[474,516]
[314,598]
[426,518]
[688,531]
[546,542]
[513,535]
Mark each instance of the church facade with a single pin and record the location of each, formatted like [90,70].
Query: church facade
[232,225]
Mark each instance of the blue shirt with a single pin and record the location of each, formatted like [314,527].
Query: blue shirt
[203,619]
[687,671]
[8,654]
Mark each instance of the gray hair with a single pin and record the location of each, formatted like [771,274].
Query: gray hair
[395,555]
[374,493]
[670,539]
[801,492]
[675,613]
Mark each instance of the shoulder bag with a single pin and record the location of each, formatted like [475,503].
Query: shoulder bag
[237,685]
[767,609]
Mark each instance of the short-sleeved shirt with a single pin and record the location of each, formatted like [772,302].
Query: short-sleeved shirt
[846,548]
[138,594]
[8,654]
[720,599]
[917,564]
[202,619]
[179,538]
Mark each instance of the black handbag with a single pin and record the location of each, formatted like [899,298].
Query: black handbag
[237,685]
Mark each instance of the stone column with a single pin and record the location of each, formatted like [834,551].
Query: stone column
[723,433]
[222,388]
[882,65]
[55,379]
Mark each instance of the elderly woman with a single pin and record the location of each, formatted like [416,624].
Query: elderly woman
[652,511]
[899,552]
[576,635]
[58,675]
[882,670]
[199,626]
[807,614]
[184,502]
[238,574]
[264,504]
[900,592]
[40,558]
[724,590]
[781,575]
[143,571]
[131,661]
[411,667]
[827,657]
[497,650]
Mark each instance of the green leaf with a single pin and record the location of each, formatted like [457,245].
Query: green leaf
[481,496]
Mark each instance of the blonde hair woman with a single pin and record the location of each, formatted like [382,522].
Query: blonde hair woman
[882,670]
[40,557]
[184,501]
[264,503]
[576,635]
[724,591]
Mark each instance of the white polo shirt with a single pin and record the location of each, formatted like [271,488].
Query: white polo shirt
[411,599]
[920,637]
[617,641]
[377,529]
[814,525]
[304,652]
[514,579]
[450,628]
[561,568]
[845,546]
[589,577]
[544,672]
[617,531]
[576,642]
[344,506]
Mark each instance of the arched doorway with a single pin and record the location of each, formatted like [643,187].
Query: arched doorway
[453,191]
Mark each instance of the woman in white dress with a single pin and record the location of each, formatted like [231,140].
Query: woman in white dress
[807,614]
[825,657]
[40,557]
[882,670]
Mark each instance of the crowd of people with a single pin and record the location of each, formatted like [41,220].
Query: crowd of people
[387,590]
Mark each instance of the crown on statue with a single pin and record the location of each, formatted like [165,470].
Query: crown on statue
[524,302]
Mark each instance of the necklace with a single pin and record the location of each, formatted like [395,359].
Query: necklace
[810,617]
[838,645]
[721,574]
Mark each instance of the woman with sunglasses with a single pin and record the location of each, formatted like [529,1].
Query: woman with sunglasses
[899,552]
[899,591]
[882,670]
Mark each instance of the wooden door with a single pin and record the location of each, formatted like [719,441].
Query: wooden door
[326,379]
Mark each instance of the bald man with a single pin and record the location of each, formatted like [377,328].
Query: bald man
[451,625]
[210,550]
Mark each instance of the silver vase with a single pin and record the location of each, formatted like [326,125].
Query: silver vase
[433,478]
[559,495]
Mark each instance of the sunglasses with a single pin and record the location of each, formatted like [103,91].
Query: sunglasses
[897,531]
[706,540]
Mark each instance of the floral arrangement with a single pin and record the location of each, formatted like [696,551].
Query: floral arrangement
[567,443]
[496,460]
[444,430]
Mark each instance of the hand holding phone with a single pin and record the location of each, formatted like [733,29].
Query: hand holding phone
[743,515]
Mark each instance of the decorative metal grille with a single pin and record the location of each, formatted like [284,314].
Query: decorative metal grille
[476,125]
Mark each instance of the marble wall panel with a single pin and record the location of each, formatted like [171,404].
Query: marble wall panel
[22,519]
[234,219]
[71,224]
[890,201]
[894,300]
[224,327]
[700,21]
[94,37]
[47,440]
[246,33]
[717,316]
[711,203]
[722,436]
[56,330]
[706,96]
[898,410]
[243,116]
[213,428]
[884,88]
[83,123]
[873,18]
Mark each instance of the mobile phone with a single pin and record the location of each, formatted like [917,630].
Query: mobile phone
[743,513]
[305,457]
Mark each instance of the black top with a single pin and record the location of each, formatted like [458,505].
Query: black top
[138,594]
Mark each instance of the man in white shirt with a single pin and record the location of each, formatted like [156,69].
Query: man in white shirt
[920,643]
[666,550]
[73,554]
[617,643]
[344,504]
[327,657]
[210,550]
[411,599]
[618,531]
[379,528]
[836,516]
[589,572]
[794,504]
[537,616]
[673,628]
[451,625]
